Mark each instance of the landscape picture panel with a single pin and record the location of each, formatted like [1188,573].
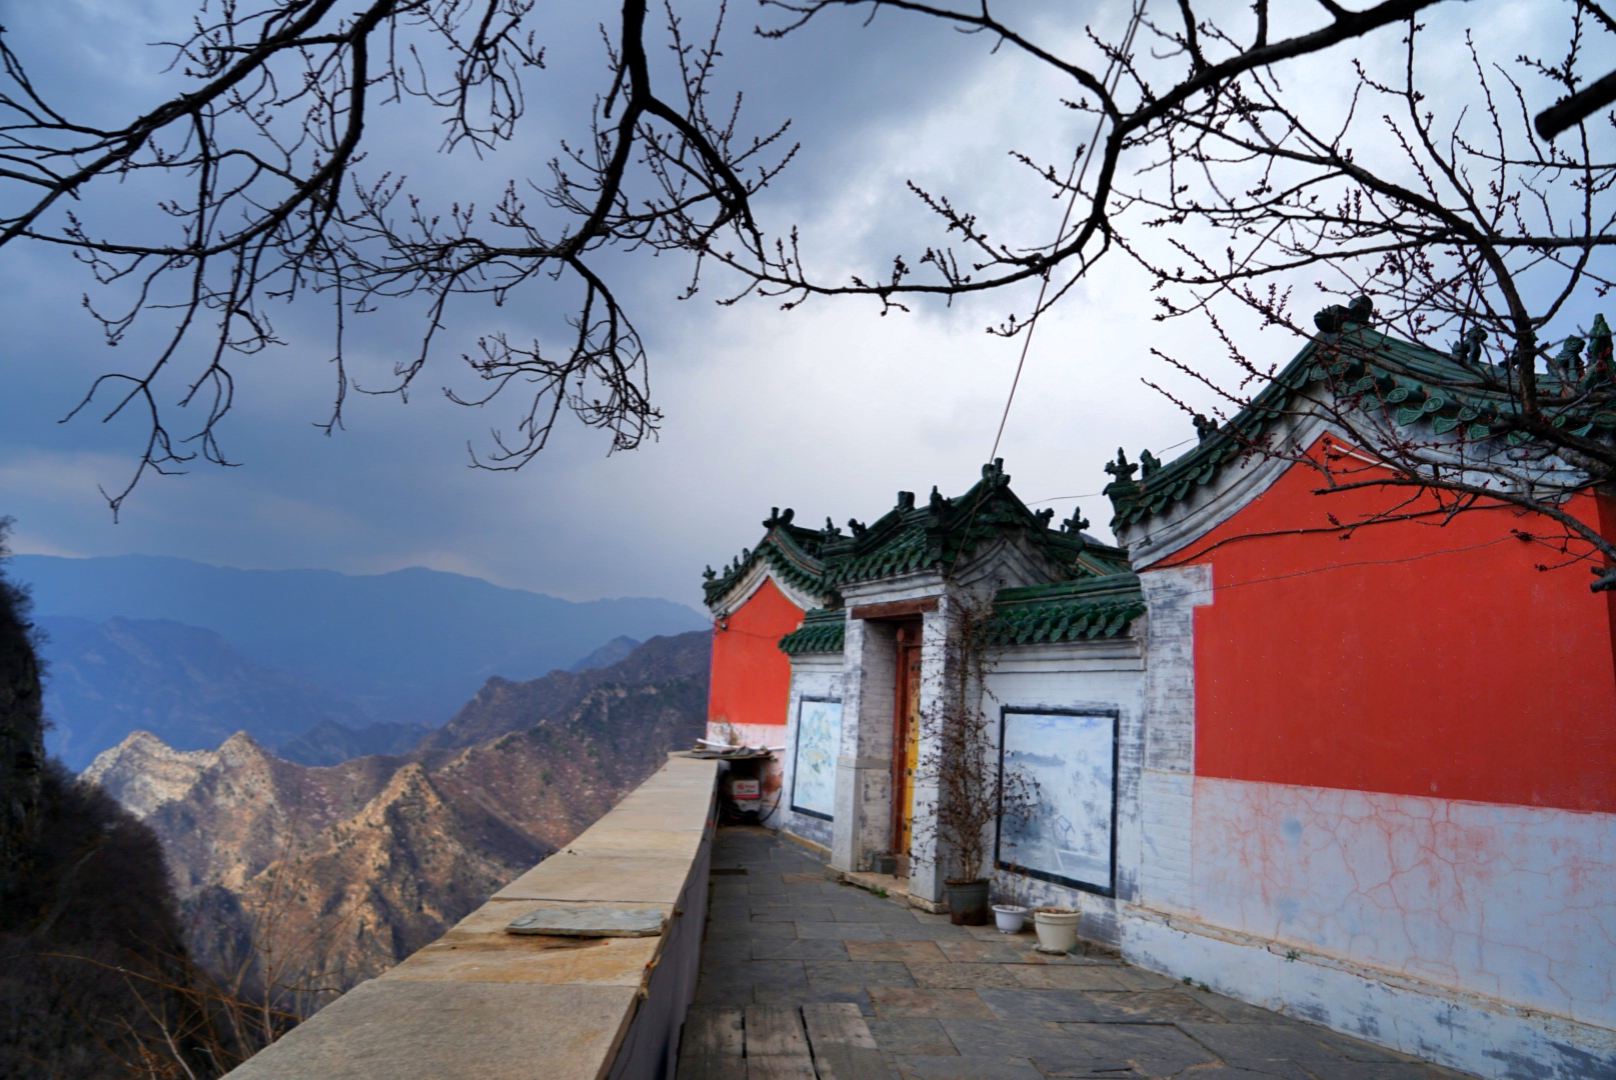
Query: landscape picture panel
[819,743]
[1072,761]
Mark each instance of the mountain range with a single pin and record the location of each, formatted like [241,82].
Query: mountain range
[341,871]
[193,652]
[182,683]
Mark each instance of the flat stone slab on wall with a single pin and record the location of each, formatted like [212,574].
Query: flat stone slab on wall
[590,922]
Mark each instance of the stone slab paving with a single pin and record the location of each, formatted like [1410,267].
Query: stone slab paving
[840,984]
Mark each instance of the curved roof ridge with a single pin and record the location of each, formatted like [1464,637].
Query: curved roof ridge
[1412,383]
[912,537]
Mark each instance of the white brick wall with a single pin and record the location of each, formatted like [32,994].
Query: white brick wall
[1172,595]
[1167,812]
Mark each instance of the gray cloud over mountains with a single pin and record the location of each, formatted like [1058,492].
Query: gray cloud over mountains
[830,409]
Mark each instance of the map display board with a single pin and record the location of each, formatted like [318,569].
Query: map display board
[819,743]
[1069,761]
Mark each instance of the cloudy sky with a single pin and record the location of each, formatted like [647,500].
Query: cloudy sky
[831,408]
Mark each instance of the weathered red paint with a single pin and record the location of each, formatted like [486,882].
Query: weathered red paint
[751,681]
[1412,659]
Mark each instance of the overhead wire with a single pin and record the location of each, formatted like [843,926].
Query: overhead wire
[1092,494]
[1113,75]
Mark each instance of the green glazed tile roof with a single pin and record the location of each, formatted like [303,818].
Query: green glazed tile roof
[911,538]
[790,550]
[823,630]
[1355,363]
[1082,609]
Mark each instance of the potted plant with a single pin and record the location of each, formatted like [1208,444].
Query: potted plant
[961,760]
[1056,928]
[1009,917]
[1010,914]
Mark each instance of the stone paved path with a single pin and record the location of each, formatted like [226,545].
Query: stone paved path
[786,947]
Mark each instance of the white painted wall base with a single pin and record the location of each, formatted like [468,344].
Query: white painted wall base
[1458,1030]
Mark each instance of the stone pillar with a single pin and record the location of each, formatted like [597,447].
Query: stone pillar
[863,771]
[1167,782]
[926,872]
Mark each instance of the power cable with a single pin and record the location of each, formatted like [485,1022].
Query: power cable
[1113,75]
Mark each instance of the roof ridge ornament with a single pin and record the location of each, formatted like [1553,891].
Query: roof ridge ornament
[777,517]
[906,500]
[1467,350]
[1336,318]
[1074,525]
[1205,426]
[1123,492]
[1151,463]
[994,473]
[1601,364]
[1567,364]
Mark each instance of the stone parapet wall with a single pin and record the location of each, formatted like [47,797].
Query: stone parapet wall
[482,1003]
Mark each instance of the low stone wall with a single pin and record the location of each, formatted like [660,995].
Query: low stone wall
[481,1003]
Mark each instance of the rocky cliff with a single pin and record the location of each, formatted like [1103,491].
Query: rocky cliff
[344,870]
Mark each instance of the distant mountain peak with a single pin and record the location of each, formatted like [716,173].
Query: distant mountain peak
[143,772]
[608,654]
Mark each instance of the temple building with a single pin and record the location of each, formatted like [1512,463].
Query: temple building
[1366,775]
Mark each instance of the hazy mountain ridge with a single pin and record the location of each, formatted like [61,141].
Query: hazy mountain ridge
[327,743]
[409,646]
[487,715]
[366,861]
[184,684]
[607,655]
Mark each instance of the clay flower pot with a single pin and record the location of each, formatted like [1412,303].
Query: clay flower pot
[1057,929]
[967,902]
[1010,917]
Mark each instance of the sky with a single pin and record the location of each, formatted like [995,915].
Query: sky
[831,408]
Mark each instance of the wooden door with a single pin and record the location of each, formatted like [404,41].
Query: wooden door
[905,742]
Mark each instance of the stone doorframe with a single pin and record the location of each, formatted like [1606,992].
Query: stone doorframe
[864,789]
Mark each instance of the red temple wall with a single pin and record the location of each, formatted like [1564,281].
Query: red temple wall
[751,681]
[1411,659]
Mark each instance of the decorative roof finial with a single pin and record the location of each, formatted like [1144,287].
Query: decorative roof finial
[1205,427]
[777,517]
[1121,469]
[1045,517]
[831,532]
[709,573]
[858,529]
[1336,318]
[993,472]
[1568,363]
[939,502]
[1152,464]
[1467,350]
[1122,491]
[906,500]
[1075,524]
[1601,365]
